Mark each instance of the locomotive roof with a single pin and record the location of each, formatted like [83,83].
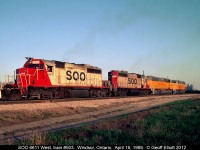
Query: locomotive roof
[121,71]
[177,81]
[182,82]
[174,81]
[157,78]
[61,64]
[136,74]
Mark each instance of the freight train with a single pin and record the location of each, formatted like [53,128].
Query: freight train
[47,79]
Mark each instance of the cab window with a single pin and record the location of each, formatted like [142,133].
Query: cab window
[41,66]
[33,66]
[49,68]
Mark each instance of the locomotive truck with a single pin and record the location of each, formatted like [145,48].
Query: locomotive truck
[46,79]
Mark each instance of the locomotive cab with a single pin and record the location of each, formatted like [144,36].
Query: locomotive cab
[33,74]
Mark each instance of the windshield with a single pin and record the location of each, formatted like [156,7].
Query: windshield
[33,66]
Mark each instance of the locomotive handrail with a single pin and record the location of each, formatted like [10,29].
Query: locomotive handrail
[29,75]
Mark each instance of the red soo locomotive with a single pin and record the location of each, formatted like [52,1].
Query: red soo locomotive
[46,79]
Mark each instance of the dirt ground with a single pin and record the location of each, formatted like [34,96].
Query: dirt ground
[20,120]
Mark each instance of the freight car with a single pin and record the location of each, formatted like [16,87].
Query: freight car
[46,79]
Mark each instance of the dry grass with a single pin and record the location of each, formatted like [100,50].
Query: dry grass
[171,124]
[23,116]
[39,139]
[17,114]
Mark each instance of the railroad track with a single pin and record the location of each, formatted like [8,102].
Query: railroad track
[5,102]
[26,101]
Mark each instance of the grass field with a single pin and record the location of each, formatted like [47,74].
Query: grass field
[176,123]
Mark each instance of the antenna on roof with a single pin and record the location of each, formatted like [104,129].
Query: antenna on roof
[29,58]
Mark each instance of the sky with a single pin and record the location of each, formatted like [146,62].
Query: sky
[161,37]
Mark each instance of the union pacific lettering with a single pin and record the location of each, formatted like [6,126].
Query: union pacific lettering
[75,75]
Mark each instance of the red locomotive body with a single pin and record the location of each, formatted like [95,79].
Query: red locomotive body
[33,74]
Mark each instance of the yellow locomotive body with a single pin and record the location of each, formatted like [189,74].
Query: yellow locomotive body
[165,86]
[158,85]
